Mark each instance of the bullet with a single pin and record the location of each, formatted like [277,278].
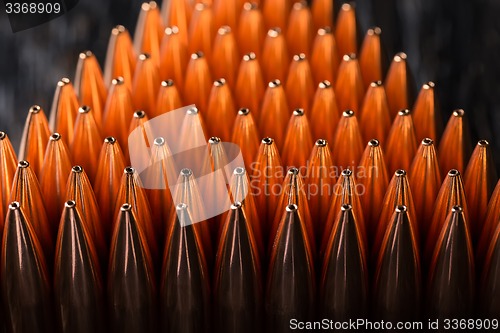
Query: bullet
[245,135]
[225,56]
[490,290]
[221,110]
[275,57]
[177,13]
[238,293]
[149,31]
[201,30]
[173,57]
[490,224]
[451,278]
[479,181]
[299,33]
[145,84]
[322,14]
[276,14]
[324,115]
[325,58]
[86,142]
[34,139]
[26,192]
[349,87]
[78,297]
[398,84]
[375,119]
[139,120]
[373,177]
[169,98]
[64,110]
[275,114]
[401,143]
[120,57]
[298,140]
[344,279]
[89,85]
[251,30]
[426,114]
[250,85]
[398,281]
[347,142]
[345,30]
[132,303]
[226,12]
[370,57]
[290,290]
[118,110]
[299,86]
[107,182]
[55,171]
[25,281]
[198,82]
[8,160]
[425,181]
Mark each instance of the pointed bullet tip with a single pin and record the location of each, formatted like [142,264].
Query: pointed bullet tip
[77,169]
[346,207]
[458,113]
[139,114]
[159,141]
[186,172]
[321,143]
[126,207]
[346,173]
[84,109]
[236,205]
[404,112]
[129,170]
[400,56]
[401,209]
[298,112]
[110,140]
[348,113]
[400,173]
[427,142]
[268,141]
[291,208]
[453,173]
[144,56]
[117,81]
[214,140]
[239,171]
[35,109]
[243,111]
[324,84]
[220,82]
[483,143]
[456,209]
[293,171]
[55,137]
[3,135]
[23,164]
[14,205]
[70,204]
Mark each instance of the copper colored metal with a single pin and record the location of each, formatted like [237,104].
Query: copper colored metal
[8,165]
[349,86]
[246,136]
[139,120]
[299,32]
[370,57]
[426,115]
[174,57]
[401,143]
[149,31]
[325,58]
[225,56]
[398,84]
[221,111]
[146,84]
[251,30]
[169,98]
[227,12]
[64,110]
[299,86]
[347,142]
[322,13]
[198,82]
[375,119]
[276,13]
[298,140]
[275,113]
[202,30]
[250,85]
[120,57]
[178,13]
[275,56]
[345,29]
[324,116]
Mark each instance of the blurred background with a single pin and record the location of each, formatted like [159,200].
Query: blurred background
[455,43]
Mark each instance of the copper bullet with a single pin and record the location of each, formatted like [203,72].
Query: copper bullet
[89,84]
[349,86]
[227,12]
[345,30]
[451,278]
[479,181]
[398,281]
[8,161]
[299,86]
[146,84]
[450,194]
[178,13]
[221,110]
[490,288]
[26,191]
[426,114]
[80,190]
[139,120]
[344,280]
[491,221]
[64,110]
[398,85]
[246,136]
[173,57]
[118,111]
[276,14]
[275,114]
[86,142]
[107,181]
[55,172]
[275,57]
[266,178]
[299,32]
[34,140]
[298,140]
[168,99]
[320,180]
[185,287]
[425,181]
[455,145]
[324,56]
[225,56]
[347,142]
[78,287]
[401,144]
[250,85]
[131,283]
[238,293]
[375,119]
[149,31]
[251,30]
[373,177]
[322,13]
[25,278]
[290,290]
[370,57]
[120,57]
[324,113]
[398,194]
[198,82]
[201,30]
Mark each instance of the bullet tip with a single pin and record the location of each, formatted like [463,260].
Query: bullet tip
[186,172]
[376,84]
[299,57]
[483,143]
[373,143]
[35,109]
[243,111]
[401,56]
[456,209]
[236,205]
[324,84]
[400,173]
[346,6]
[84,109]
[428,85]
[167,83]
[321,143]
[298,112]
[126,207]
[111,140]
[70,204]
[173,30]
[118,81]
[324,31]
[159,141]
[249,56]
[404,112]
[118,30]
[401,209]
[274,32]
[293,171]
[55,137]
[181,206]
[224,30]
[2,135]
[346,173]
[291,208]
[274,83]
[129,170]
[77,169]
[23,164]
[192,111]
[144,56]
[458,113]
[220,82]
[64,81]
[239,171]
[349,57]
[214,140]
[86,54]
[14,205]
[268,141]
[453,173]
[427,142]
[250,6]
[374,31]
[346,207]
[197,55]
[348,113]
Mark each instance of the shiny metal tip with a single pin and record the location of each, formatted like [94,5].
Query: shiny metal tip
[86,54]
[243,111]
[404,112]
[299,57]
[64,81]
[197,55]
[159,141]
[129,170]
[274,32]
[346,173]
[55,137]
[458,113]
[483,143]
[23,164]
[456,209]
[349,57]
[291,208]
[324,31]
[118,30]
[268,141]
[400,173]
[427,142]
[376,84]
[144,56]
[186,172]
[70,204]
[348,113]
[346,207]
[117,81]
[139,114]
[236,205]
[126,207]
[374,31]
[84,109]
[3,135]
[321,143]
[14,205]
[173,30]
[453,173]
[181,206]
[401,56]
[192,111]
[224,30]
[220,82]
[167,83]
[77,169]
[324,84]
[214,140]
[239,171]
[298,112]
[111,140]
[293,171]
[373,143]
[35,109]
[274,83]
[249,56]
[401,208]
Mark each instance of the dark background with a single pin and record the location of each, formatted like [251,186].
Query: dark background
[455,43]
